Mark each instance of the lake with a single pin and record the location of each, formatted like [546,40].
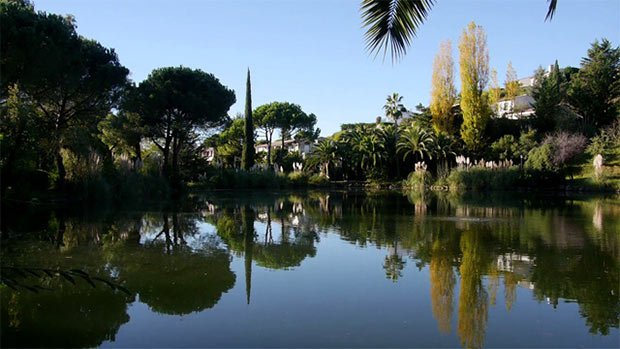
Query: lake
[315,269]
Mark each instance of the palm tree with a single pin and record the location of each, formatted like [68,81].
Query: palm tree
[416,140]
[325,153]
[369,146]
[394,107]
[392,24]
[394,110]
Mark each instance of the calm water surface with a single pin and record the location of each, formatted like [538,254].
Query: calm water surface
[316,270]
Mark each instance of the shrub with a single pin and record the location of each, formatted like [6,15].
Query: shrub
[541,159]
[505,148]
[559,153]
[418,180]
[318,181]
[479,179]
[297,179]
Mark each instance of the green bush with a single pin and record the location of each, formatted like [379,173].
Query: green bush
[541,159]
[418,180]
[479,179]
[297,179]
[317,180]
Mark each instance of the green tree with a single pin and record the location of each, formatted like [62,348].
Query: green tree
[229,143]
[71,81]
[394,110]
[247,158]
[416,141]
[595,91]
[176,101]
[123,133]
[289,118]
[505,148]
[474,66]
[325,154]
[394,107]
[548,97]
[370,149]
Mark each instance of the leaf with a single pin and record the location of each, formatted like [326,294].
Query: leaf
[392,24]
[552,6]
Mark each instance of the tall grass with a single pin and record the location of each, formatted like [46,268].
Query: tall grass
[479,179]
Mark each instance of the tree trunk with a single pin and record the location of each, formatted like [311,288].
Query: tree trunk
[176,149]
[137,161]
[62,172]
[268,150]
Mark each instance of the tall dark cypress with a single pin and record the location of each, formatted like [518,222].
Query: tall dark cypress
[247,157]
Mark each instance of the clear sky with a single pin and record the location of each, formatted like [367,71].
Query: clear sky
[312,52]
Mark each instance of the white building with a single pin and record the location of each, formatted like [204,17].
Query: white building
[521,106]
[517,108]
[291,145]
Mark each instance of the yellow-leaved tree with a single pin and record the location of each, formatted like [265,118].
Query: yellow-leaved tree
[474,66]
[513,87]
[495,92]
[443,92]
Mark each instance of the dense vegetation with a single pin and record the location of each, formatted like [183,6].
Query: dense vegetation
[74,126]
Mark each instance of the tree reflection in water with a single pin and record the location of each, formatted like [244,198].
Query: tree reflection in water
[166,273]
[563,251]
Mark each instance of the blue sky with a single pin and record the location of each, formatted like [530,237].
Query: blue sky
[312,52]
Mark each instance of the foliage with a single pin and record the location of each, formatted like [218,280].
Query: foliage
[595,90]
[548,95]
[393,24]
[495,92]
[418,180]
[479,179]
[247,157]
[72,82]
[174,102]
[370,147]
[541,158]
[513,88]
[558,153]
[229,143]
[474,68]
[324,155]
[122,133]
[416,141]
[394,107]
[505,148]
[289,118]
[607,142]
[443,91]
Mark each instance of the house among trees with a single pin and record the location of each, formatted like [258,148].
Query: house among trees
[522,105]
[303,146]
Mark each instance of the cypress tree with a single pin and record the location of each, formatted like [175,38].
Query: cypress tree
[247,156]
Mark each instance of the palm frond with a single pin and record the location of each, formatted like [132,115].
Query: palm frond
[551,11]
[392,24]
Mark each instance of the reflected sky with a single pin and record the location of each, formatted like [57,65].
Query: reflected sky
[328,269]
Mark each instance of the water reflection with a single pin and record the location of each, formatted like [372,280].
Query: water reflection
[177,259]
